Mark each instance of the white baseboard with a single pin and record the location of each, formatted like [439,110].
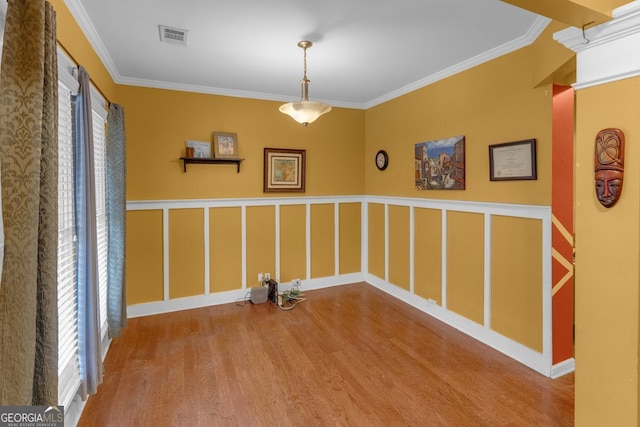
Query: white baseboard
[563,368]
[187,303]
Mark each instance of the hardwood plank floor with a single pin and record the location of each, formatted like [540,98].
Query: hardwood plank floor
[348,356]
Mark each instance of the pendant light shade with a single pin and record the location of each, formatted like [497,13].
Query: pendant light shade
[305,111]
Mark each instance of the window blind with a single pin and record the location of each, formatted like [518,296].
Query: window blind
[100,165]
[68,369]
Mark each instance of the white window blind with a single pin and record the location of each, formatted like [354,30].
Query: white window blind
[99,154]
[68,370]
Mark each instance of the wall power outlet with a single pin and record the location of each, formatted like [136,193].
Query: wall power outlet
[295,282]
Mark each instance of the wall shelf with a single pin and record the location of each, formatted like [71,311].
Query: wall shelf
[199,160]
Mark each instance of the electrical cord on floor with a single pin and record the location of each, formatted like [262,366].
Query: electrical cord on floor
[287,300]
[243,301]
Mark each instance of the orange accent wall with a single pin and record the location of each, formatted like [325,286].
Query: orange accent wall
[562,203]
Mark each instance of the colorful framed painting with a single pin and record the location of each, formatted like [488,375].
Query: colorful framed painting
[440,164]
[284,170]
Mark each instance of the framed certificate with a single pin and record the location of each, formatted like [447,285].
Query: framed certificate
[201,149]
[513,161]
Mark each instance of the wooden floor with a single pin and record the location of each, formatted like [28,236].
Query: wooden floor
[348,356]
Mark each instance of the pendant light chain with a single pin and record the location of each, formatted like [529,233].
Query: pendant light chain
[304,50]
[305,81]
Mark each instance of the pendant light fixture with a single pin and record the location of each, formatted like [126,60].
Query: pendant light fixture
[305,111]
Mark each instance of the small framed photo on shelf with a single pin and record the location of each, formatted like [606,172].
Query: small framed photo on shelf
[513,161]
[225,145]
[284,170]
[201,149]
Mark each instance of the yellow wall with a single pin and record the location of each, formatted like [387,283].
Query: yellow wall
[399,246]
[375,232]
[516,298]
[261,242]
[465,265]
[225,249]
[186,253]
[428,254]
[492,103]
[144,257]
[293,238]
[322,241]
[489,104]
[607,267]
[350,238]
[158,122]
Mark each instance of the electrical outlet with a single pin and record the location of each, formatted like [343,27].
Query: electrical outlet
[295,282]
[431,302]
[260,277]
[267,276]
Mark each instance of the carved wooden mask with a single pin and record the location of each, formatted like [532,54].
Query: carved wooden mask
[609,166]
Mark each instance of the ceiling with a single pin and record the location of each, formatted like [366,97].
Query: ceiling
[365,52]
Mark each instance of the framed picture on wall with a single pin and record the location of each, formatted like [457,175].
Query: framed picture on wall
[440,164]
[284,170]
[225,145]
[513,161]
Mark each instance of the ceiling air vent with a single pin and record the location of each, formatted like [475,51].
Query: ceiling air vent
[173,35]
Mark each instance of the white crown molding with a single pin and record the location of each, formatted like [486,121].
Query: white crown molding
[607,52]
[157,84]
[81,17]
[534,32]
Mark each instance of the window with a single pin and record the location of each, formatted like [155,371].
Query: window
[68,366]
[68,370]
[100,165]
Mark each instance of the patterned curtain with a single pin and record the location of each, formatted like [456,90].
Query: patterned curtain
[116,207]
[29,159]
[89,340]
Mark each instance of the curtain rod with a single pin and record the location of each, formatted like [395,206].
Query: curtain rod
[77,64]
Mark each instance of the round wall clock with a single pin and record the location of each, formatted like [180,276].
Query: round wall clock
[382,160]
